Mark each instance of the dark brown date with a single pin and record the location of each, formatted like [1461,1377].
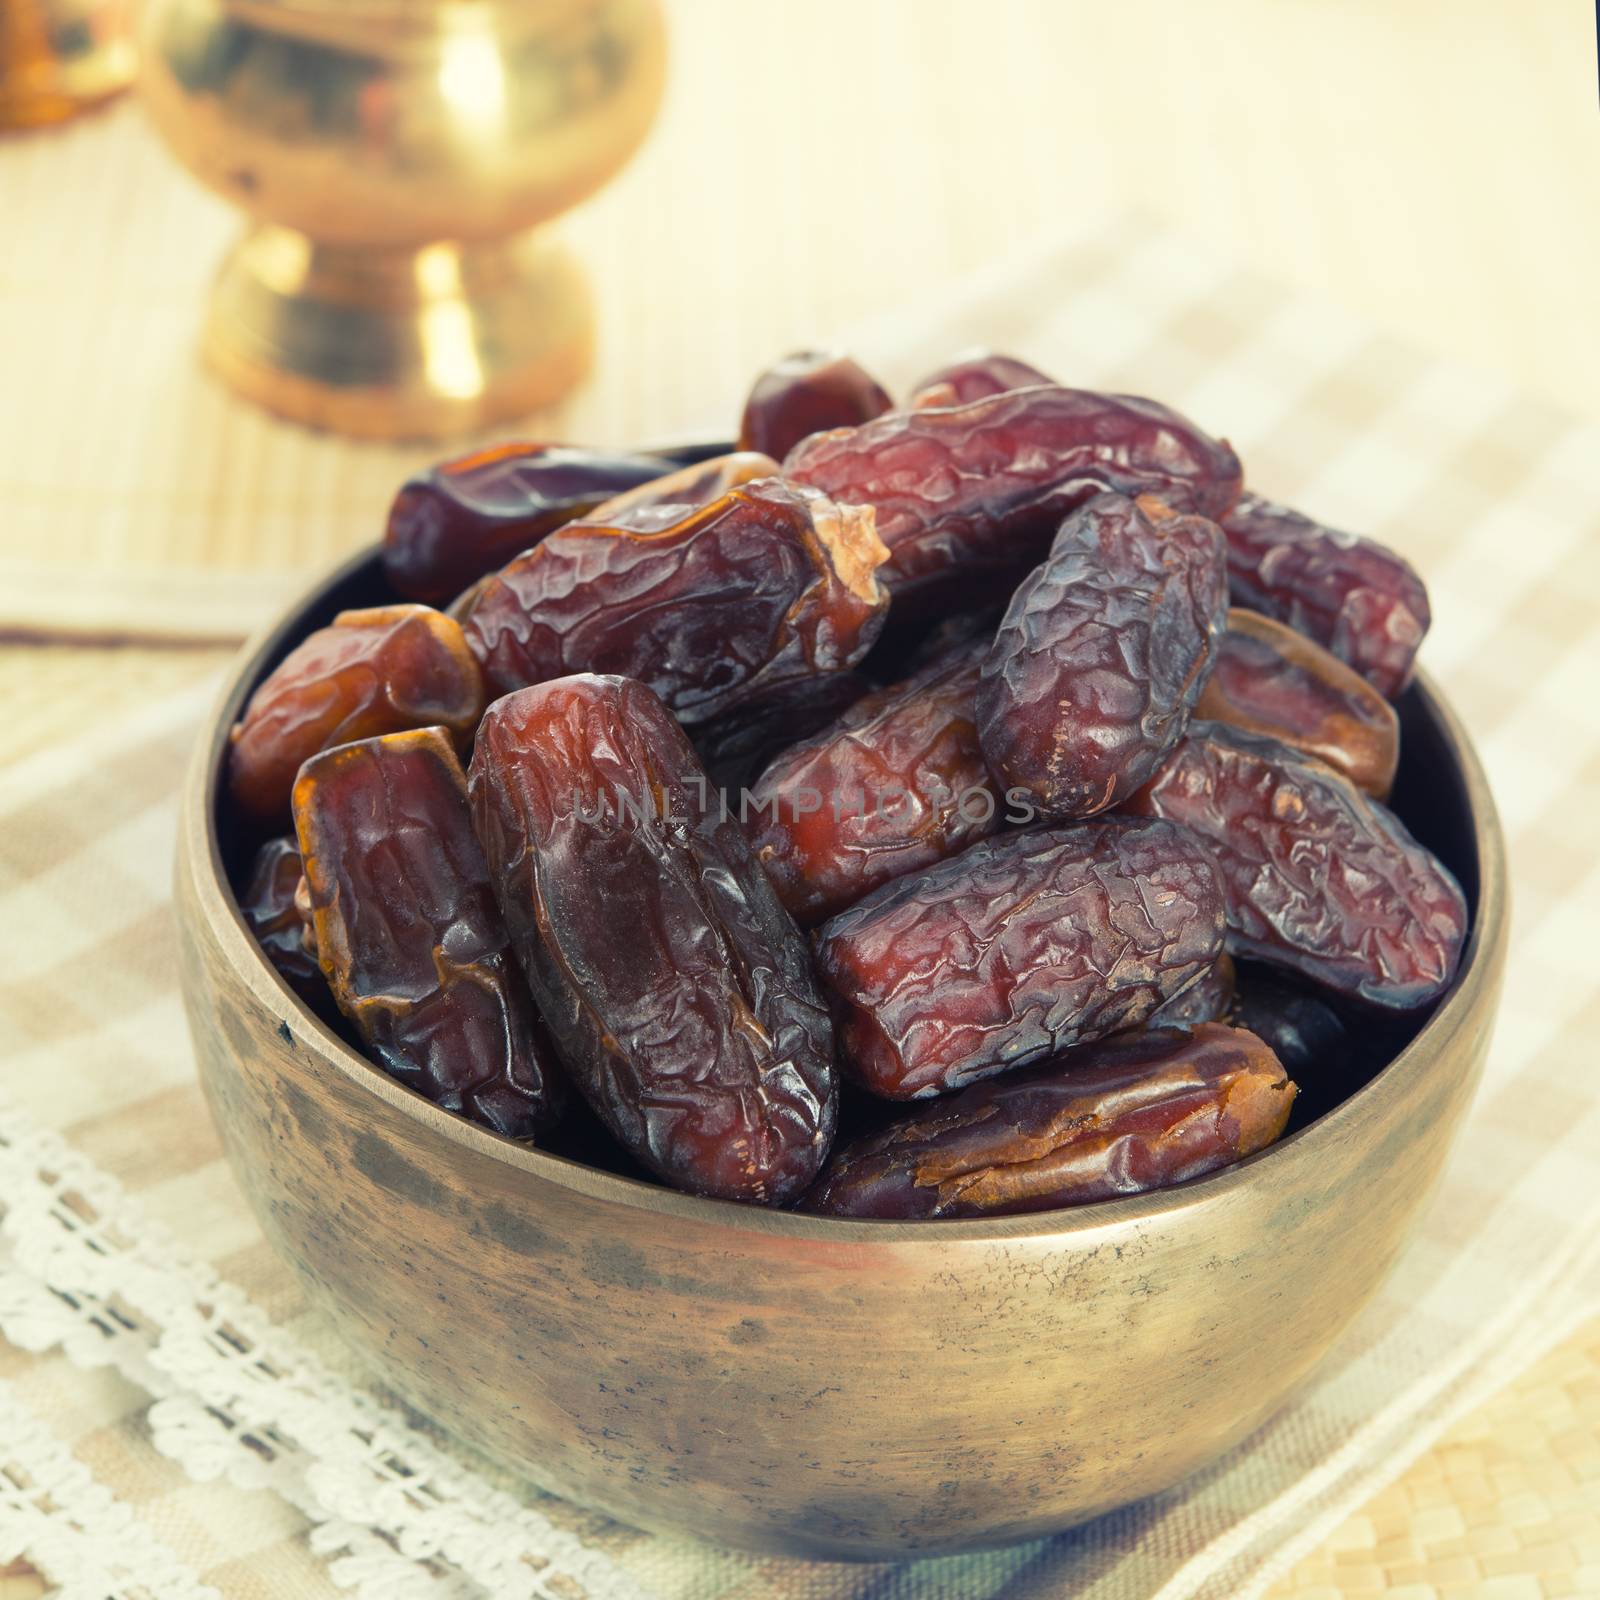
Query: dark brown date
[1208,999]
[1268,679]
[1354,595]
[661,502]
[454,522]
[805,393]
[968,497]
[369,672]
[895,784]
[272,914]
[1319,876]
[1021,946]
[1102,654]
[1306,1034]
[738,746]
[1140,1112]
[771,583]
[975,377]
[678,991]
[409,935]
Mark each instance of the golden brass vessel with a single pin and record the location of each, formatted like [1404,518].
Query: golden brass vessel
[396,157]
[59,57]
[802,1384]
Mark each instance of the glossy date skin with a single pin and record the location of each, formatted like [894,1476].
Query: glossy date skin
[1320,878]
[1140,1112]
[737,747]
[975,377]
[1270,680]
[453,522]
[661,502]
[381,670]
[1209,998]
[805,393]
[409,935]
[897,783]
[1352,595]
[770,584]
[968,497]
[678,991]
[269,908]
[1021,946]
[1102,654]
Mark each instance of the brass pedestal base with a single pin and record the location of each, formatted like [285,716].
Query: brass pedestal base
[394,344]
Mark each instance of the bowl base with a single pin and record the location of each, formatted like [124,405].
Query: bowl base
[399,343]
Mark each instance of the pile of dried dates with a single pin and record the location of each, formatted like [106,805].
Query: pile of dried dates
[998,754]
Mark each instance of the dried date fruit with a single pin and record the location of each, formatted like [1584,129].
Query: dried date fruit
[272,913]
[895,784]
[409,935]
[968,497]
[1143,1111]
[381,670]
[453,522]
[1306,1034]
[805,393]
[738,746]
[1021,946]
[1270,680]
[1355,596]
[769,584]
[662,501]
[678,991]
[1320,877]
[1102,654]
[975,377]
[1208,999]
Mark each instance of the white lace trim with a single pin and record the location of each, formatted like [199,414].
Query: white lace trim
[71,1528]
[82,1268]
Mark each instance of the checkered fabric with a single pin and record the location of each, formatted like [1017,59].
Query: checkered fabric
[1495,497]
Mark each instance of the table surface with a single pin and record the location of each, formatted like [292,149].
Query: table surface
[1434,166]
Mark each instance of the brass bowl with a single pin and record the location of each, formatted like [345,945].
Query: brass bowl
[805,1385]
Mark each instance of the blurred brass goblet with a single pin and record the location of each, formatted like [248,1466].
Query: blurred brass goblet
[394,156]
[58,57]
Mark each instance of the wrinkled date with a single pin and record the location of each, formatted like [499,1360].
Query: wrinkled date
[1319,877]
[896,784]
[1102,654]
[1140,1112]
[1270,680]
[370,672]
[769,584]
[678,991]
[409,935]
[1019,947]
[975,377]
[968,497]
[1354,595]
[1208,999]
[661,502]
[456,521]
[271,913]
[738,746]
[802,395]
